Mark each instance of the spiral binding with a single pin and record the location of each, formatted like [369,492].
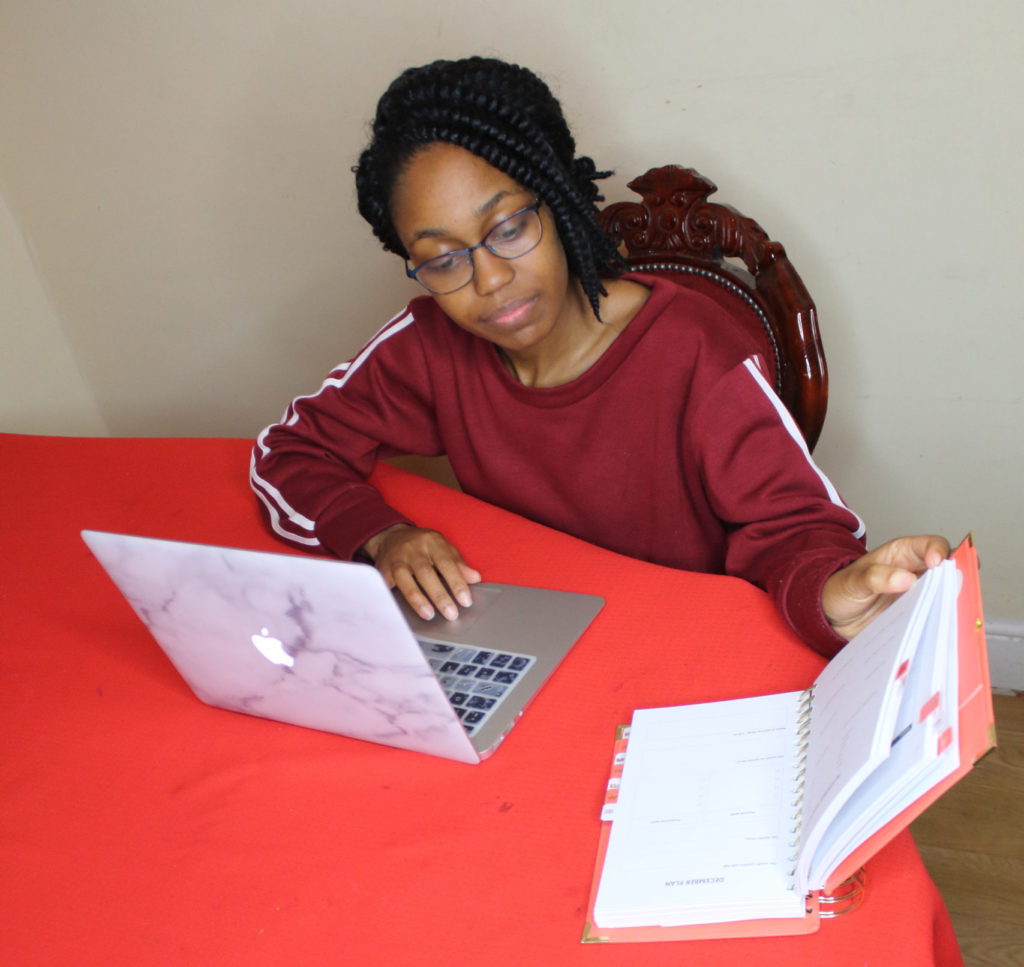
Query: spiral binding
[803,737]
[846,897]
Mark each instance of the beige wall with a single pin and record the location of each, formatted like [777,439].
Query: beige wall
[41,387]
[179,171]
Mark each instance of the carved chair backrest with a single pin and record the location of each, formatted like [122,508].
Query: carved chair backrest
[676,232]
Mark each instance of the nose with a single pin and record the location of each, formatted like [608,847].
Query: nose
[490,272]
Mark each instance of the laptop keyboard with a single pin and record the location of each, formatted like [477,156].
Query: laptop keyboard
[476,680]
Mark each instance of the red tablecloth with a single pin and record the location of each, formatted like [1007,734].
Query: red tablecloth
[141,827]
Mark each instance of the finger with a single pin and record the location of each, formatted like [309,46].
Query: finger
[457,575]
[936,551]
[469,574]
[865,583]
[917,553]
[437,591]
[892,580]
[453,573]
[410,589]
[857,593]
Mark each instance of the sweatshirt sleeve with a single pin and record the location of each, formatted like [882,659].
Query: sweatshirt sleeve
[310,470]
[789,529]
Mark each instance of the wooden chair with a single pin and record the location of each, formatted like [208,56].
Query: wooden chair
[676,232]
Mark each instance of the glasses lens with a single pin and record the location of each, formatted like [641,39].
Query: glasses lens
[446,273]
[516,235]
[509,239]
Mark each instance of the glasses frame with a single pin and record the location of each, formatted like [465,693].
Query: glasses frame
[468,252]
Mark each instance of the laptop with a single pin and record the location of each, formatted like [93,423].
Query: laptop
[324,644]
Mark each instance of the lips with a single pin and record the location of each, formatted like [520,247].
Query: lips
[510,313]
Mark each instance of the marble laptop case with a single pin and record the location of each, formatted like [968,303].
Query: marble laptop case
[324,644]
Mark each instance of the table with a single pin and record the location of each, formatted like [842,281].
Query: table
[141,827]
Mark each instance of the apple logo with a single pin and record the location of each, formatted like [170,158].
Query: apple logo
[272,648]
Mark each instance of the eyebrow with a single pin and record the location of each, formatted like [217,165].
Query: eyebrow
[481,210]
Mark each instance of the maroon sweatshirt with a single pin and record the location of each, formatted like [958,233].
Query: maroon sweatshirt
[671,448]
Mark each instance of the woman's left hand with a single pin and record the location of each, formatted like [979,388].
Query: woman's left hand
[853,596]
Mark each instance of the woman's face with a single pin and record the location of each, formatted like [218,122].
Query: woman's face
[446,199]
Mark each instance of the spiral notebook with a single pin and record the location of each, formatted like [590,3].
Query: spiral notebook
[745,817]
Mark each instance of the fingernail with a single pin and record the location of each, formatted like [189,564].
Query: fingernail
[426,612]
[450,612]
[465,598]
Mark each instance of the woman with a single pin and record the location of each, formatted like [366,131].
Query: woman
[616,407]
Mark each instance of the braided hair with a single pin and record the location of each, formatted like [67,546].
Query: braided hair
[507,116]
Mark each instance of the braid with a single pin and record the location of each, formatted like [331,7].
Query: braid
[507,116]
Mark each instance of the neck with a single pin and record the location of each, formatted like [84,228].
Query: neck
[566,353]
[580,340]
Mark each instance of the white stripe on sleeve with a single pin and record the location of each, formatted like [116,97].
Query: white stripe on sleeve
[794,431]
[272,498]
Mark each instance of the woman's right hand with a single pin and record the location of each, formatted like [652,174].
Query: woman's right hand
[428,571]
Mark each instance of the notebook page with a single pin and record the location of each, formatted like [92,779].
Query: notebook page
[702,824]
[856,700]
[924,747]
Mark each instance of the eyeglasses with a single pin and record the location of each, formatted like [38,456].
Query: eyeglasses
[511,238]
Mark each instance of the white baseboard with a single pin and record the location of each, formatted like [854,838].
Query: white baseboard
[1005,641]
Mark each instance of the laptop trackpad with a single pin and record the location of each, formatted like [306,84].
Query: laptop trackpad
[438,627]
